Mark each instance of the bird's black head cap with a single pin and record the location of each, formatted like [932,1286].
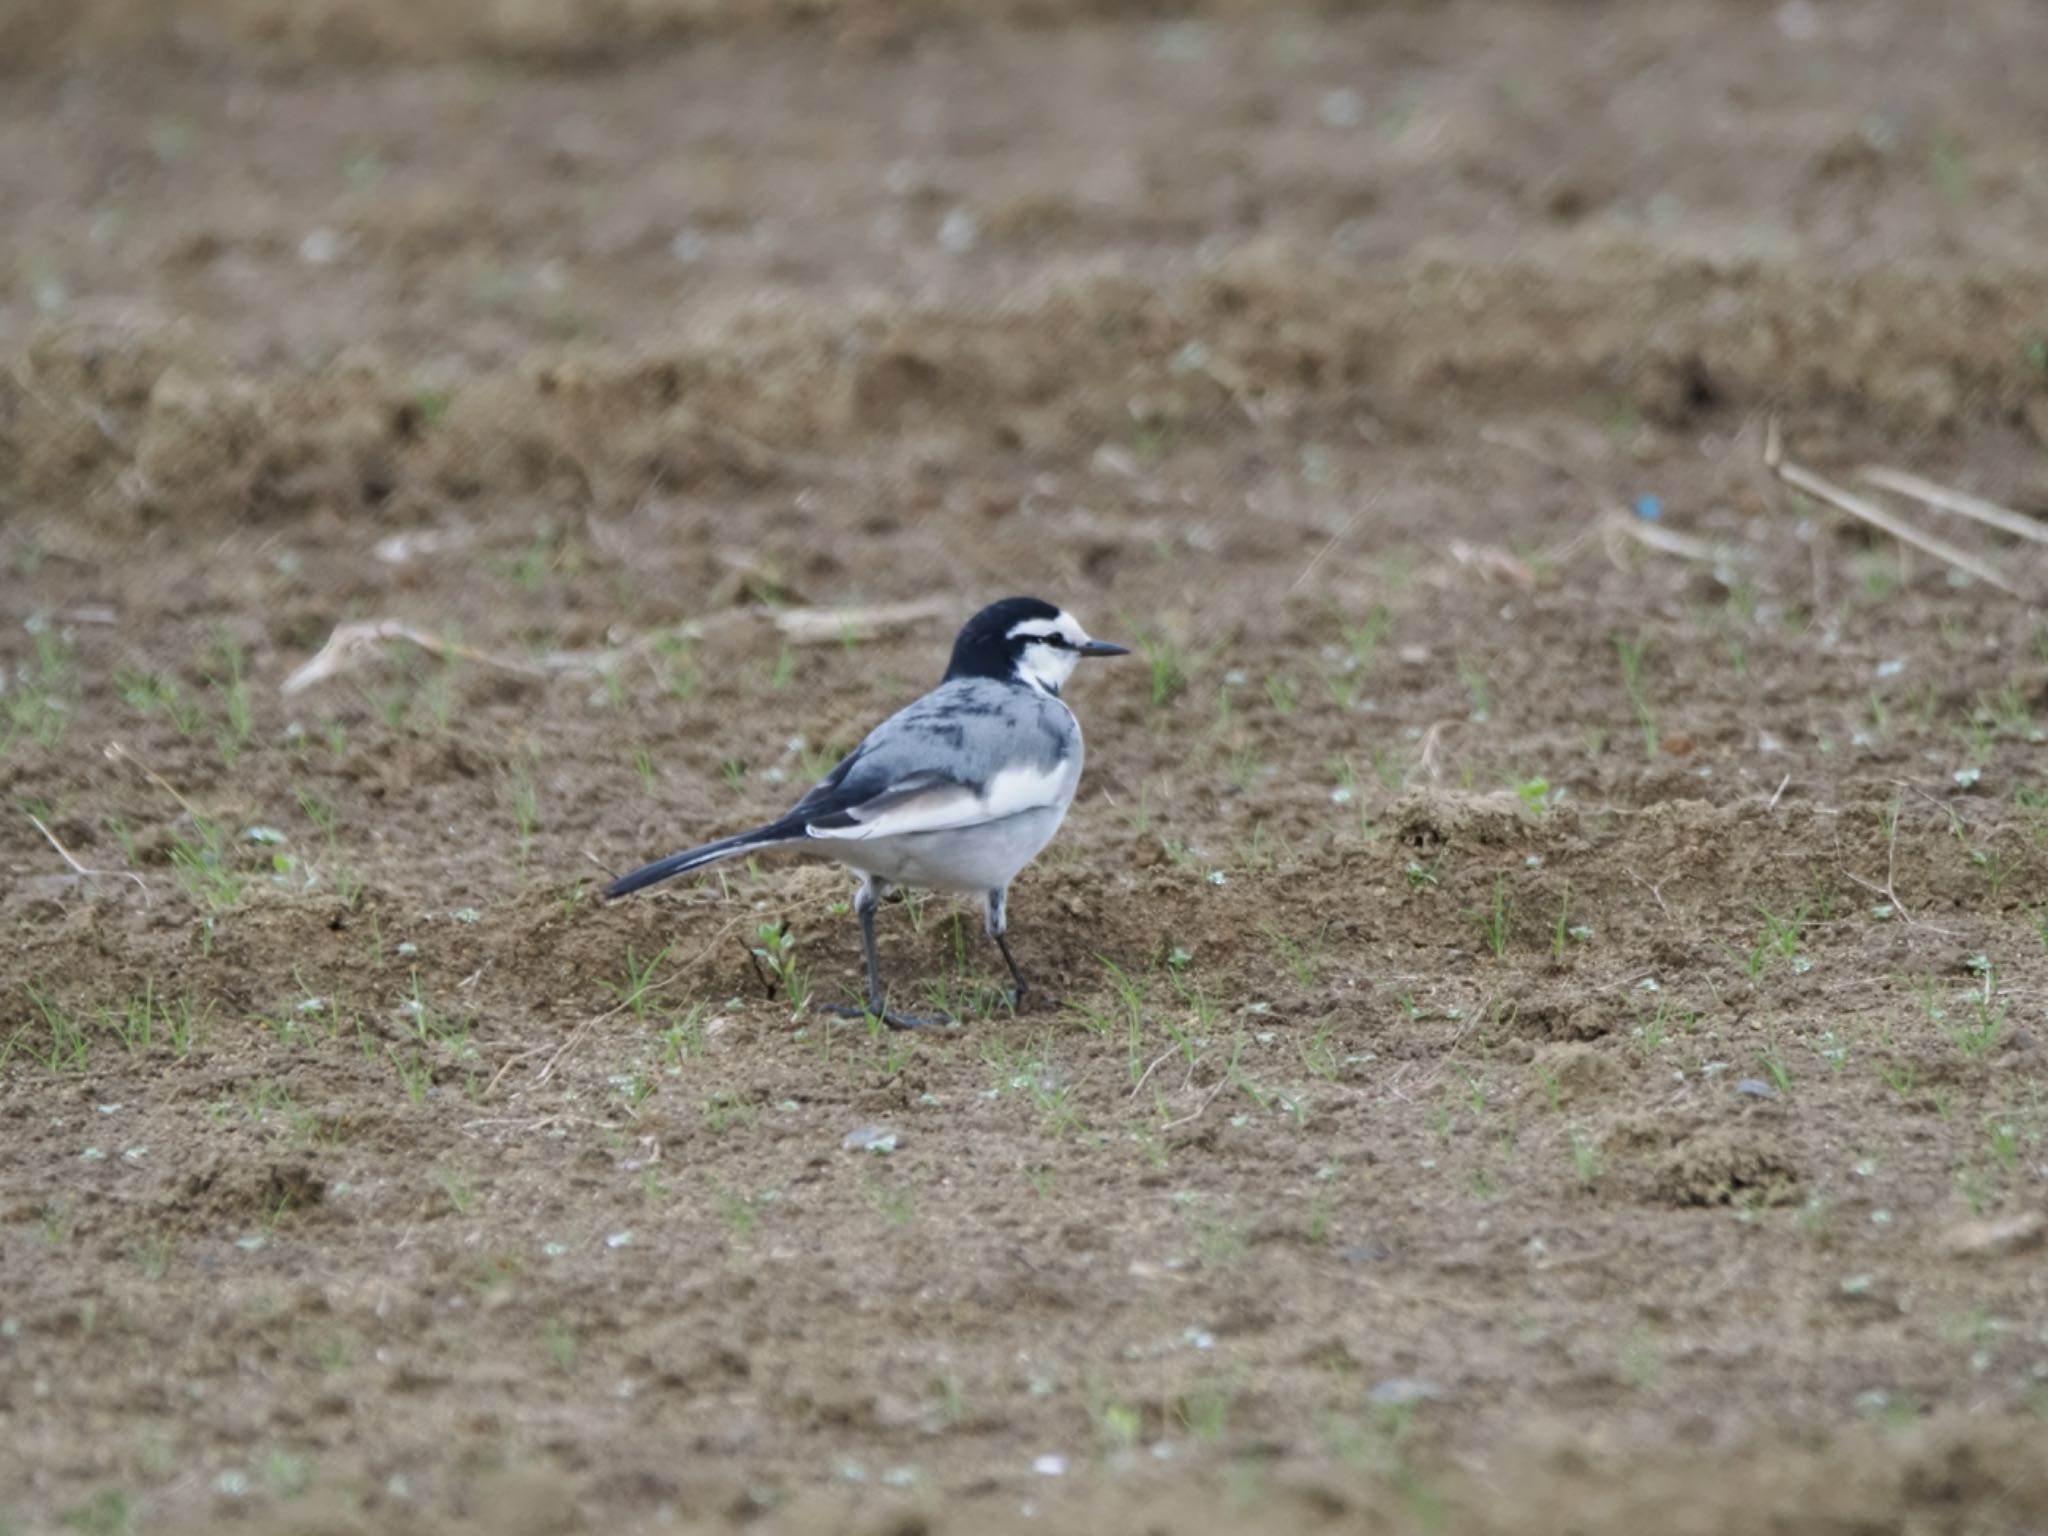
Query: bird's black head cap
[985,647]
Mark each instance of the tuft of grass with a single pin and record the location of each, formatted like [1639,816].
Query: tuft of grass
[1564,932]
[522,799]
[1773,1064]
[683,1037]
[636,991]
[1363,638]
[106,1513]
[816,762]
[1629,650]
[1588,1161]
[894,1203]
[1478,689]
[1779,939]
[149,693]
[1167,662]
[1984,1026]
[1303,958]
[141,1023]
[153,1254]
[34,701]
[1496,921]
[675,667]
[561,1344]
[1781,935]
[774,953]
[62,1043]
[230,685]
[459,1187]
[414,1074]
[203,863]
[1118,1426]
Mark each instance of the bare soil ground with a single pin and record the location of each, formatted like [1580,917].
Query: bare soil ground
[1550,1031]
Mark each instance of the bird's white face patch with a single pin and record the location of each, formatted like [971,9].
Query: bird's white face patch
[1052,649]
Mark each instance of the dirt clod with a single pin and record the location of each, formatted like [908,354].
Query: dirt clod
[1996,1239]
[1727,1167]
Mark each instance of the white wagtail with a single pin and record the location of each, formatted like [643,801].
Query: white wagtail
[956,792]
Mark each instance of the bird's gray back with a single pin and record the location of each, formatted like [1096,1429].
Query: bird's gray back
[973,727]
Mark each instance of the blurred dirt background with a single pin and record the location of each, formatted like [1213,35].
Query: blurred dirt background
[1550,948]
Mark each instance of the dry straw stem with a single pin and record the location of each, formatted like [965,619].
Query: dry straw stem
[1962,503]
[831,626]
[120,754]
[799,626]
[91,874]
[350,640]
[1870,512]
[1616,524]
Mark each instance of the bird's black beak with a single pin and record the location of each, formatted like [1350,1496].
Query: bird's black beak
[1104,648]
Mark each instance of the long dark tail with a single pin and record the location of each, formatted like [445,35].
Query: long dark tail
[696,858]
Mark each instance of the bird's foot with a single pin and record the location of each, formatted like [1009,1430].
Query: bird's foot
[888,1016]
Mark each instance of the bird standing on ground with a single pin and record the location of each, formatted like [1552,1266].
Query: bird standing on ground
[956,792]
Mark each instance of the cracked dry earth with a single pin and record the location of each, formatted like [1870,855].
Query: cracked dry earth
[1553,1024]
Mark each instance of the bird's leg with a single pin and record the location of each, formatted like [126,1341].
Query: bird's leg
[864,903]
[865,900]
[995,919]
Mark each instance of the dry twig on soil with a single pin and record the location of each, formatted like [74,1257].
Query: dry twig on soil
[1940,497]
[350,640]
[1878,517]
[798,626]
[120,754]
[91,874]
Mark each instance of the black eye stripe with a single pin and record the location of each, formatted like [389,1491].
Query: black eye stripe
[1057,641]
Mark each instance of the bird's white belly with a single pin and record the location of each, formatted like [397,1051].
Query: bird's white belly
[967,860]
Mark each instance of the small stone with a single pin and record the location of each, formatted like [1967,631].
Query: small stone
[1401,1391]
[1756,1088]
[320,248]
[1997,1239]
[878,1139]
[1341,108]
[959,230]
[1050,1466]
[1371,1251]
[1799,21]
